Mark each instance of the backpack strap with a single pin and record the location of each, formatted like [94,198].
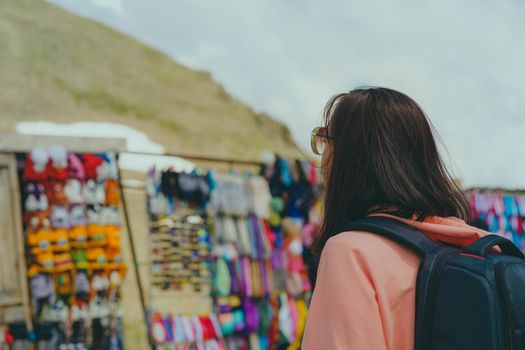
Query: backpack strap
[431,253]
[394,230]
[483,245]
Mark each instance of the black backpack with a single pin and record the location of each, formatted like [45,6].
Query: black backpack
[466,298]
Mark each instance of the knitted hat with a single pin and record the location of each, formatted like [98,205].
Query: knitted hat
[112,192]
[35,165]
[97,235]
[46,261]
[33,270]
[60,240]
[94,193]
[41,286]
[56,193]
[100,282]
[108,169]
[57,167]
[80,259]
[59,217]
[113,236]
[63,262]
[78,237]
[91,163]
[58,156]
[115,279]
[77,215]
[73,191]
[110,216]
[115,260]
[75,168]
[97,258]
[36,199]
[64,283]
[93,215]
[39,241]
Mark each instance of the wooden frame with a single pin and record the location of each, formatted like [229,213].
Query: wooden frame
[17,308]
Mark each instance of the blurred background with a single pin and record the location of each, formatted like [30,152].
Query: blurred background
[235,78]
[128,128]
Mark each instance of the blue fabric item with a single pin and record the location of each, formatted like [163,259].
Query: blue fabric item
[510,205]
[211,180]
[286,176]
[171,205]
[494,224]
[264,342]
[516,238]
[278,239]
[508,225]
[169,328]
[104,156]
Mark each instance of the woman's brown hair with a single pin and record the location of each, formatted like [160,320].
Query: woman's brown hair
[382,157]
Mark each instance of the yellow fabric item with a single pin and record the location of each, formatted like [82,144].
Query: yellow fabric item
[39,241]
[113,236]
[63,283]
[33,270]
[112,192]
[78,237]
[63,262]
[46,261]
[97,258]
[302,312]
[97,235]
[60,240]
[115,260]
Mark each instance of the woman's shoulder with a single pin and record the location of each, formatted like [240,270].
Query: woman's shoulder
[367,244]
[382,259]
[358,239]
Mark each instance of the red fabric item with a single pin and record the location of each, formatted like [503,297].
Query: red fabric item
[519,228]
[55,192]
[273,332]
[269,233]
[9,339]
[30,174]
[313,175]
[207,330]
[91,163]
[74,167]
[56,173]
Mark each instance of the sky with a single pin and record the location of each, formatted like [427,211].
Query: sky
[463,61]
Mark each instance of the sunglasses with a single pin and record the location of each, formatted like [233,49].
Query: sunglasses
[319,139]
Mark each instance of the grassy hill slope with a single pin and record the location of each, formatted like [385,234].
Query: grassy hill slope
[60,67]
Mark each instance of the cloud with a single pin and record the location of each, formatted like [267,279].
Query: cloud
[462,60]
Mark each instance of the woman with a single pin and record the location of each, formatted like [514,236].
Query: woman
[379,157]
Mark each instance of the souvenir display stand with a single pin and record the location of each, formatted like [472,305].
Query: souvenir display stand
[237,241]
[503,212]
[180,307]
[65,198]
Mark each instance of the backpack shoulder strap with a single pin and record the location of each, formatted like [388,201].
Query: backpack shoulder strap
[394,230]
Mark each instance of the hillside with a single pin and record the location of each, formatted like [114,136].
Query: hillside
[59,67]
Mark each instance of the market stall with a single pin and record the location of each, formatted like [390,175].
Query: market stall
[64,239]
[500,211]
[237,239]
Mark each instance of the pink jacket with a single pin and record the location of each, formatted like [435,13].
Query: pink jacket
[364,298]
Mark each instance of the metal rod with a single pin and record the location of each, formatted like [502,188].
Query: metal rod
[133,252]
